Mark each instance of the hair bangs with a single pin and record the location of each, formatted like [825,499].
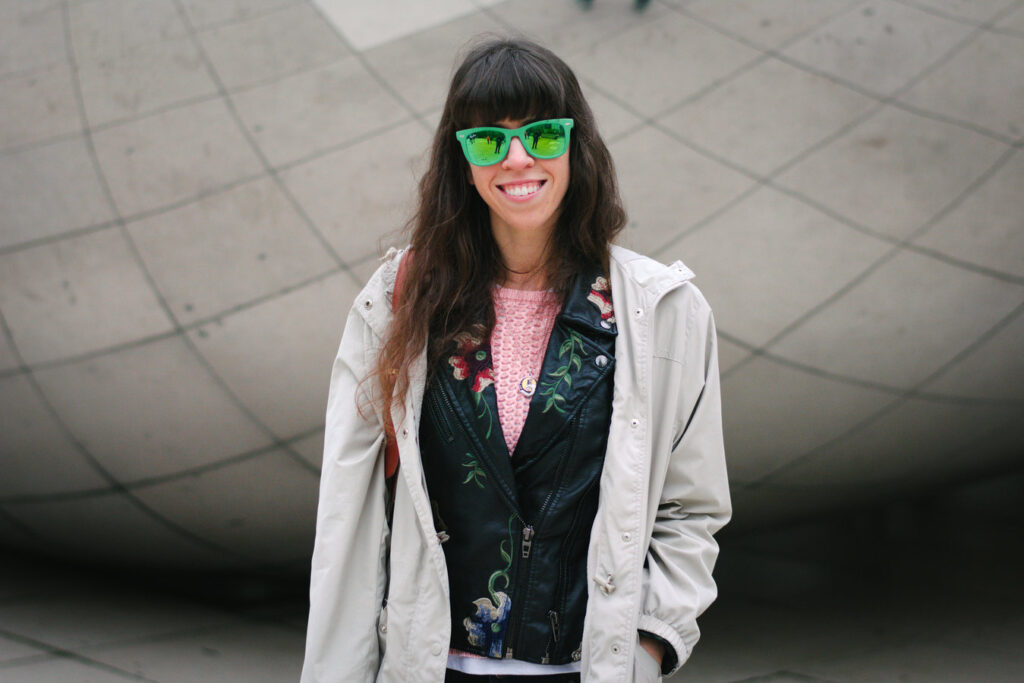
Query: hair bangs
[509,84]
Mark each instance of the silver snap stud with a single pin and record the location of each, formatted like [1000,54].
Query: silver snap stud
[368,304]
[601,361]
[405,432]
[634,423]
[383,628]
[615,649]
[638,312]
[627,537]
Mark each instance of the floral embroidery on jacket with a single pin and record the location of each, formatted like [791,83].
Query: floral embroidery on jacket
[563,374]
[470,360]
[486,628]
[601,296]
[476,474]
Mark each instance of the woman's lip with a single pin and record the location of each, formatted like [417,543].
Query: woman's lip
[508,189]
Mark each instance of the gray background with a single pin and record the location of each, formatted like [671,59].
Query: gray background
[192,192]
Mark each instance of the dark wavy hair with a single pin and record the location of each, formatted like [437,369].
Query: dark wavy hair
[455,260]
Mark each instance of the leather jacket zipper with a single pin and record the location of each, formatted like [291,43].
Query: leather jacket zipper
[553,618]
[439,414]
[527,541]
[560,608]
[527,545]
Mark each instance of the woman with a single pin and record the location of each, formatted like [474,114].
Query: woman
[555,406]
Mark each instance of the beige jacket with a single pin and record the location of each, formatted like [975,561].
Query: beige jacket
[663,494]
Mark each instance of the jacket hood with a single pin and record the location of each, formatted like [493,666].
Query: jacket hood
[647,273]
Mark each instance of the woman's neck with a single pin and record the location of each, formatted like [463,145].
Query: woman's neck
[533,280]
[527,260]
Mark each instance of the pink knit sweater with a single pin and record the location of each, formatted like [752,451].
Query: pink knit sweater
[523,322]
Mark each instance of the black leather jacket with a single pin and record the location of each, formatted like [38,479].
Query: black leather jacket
[516,529]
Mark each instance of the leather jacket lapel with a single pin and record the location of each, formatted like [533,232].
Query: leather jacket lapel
[580,352]
[467,383]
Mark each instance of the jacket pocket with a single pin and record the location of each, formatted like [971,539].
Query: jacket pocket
[645,666]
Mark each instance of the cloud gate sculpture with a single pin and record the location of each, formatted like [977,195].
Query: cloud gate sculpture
[188,209]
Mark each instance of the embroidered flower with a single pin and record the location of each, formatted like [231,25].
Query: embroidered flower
[484,378]
[460,368]
[601,296]
[471,360]
[486,628]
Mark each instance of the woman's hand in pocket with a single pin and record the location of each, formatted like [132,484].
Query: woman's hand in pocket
[647,660]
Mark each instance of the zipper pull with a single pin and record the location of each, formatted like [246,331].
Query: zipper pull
[553,618]
[527,541]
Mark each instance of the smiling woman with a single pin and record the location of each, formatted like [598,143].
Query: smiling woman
[515,484]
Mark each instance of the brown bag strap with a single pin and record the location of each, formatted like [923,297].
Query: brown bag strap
[391,443]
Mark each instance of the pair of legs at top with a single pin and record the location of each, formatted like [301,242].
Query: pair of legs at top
[638,5]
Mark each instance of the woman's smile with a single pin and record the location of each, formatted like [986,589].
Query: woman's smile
[522,190]
[524,194]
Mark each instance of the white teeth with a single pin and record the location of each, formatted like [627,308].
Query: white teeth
[521,190]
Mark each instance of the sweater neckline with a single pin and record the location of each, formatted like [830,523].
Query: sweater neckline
[534,295]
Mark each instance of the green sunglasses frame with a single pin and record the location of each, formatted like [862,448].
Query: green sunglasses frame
[463,137]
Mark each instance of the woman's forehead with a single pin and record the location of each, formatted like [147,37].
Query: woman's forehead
[489,111]
[511,122]
[506,119]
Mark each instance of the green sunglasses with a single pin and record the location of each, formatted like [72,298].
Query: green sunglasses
[488,145]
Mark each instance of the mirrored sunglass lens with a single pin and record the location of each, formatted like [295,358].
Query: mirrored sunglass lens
[546,139]
[486,146]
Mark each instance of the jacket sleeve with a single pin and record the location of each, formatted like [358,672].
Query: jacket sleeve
[348,572]
[694,504]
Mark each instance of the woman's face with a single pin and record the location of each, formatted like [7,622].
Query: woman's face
[524,194]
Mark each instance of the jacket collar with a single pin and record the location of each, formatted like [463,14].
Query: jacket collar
[588,306]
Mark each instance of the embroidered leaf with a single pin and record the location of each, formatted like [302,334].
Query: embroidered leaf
[573,345]
[552,402]
[475,475]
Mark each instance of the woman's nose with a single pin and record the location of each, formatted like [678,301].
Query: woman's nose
[517,156]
